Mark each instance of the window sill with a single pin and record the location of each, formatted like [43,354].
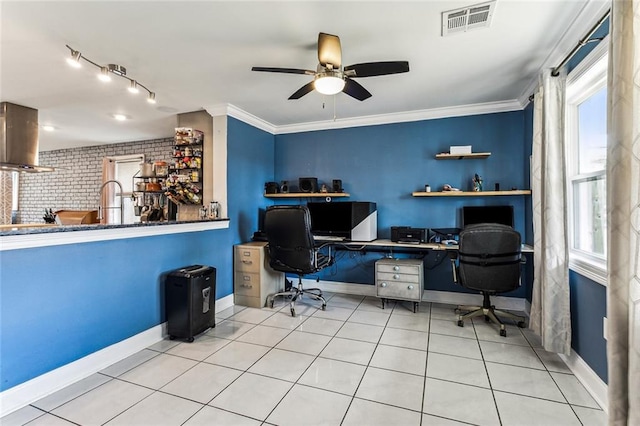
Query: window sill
[596,272]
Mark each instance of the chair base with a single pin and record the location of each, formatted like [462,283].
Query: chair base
[295,293]
[490,313]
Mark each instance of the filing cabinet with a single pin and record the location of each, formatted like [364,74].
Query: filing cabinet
[253,278]
[400,279]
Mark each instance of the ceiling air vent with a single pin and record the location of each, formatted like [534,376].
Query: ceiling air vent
[468,18]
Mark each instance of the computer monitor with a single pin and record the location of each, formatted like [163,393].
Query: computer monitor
[487,214]
[351,220]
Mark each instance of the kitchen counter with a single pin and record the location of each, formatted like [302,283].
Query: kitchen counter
[40,236]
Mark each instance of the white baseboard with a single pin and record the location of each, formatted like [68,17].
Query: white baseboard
[449,297]
[25,393]
[589,379]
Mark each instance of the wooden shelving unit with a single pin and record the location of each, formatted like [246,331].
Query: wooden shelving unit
[473,155]
[472,193]
[309,195]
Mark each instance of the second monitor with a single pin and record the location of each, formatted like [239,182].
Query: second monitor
[351,220]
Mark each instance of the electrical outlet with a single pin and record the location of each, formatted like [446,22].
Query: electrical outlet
[604,328]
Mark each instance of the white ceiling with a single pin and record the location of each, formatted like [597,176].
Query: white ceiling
[198,55]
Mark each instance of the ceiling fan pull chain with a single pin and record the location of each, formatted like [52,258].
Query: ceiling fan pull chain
[334,108]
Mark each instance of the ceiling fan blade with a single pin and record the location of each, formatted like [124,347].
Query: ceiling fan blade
[302,91]
[329,50]
[284,70]
[355,90]
[372,69]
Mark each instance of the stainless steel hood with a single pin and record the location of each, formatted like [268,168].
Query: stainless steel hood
[19,139]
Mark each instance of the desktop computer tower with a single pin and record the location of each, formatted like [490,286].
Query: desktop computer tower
[190,295]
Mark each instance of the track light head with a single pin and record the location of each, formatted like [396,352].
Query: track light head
[133,87]
[104,74]
[151,98]
[74,60]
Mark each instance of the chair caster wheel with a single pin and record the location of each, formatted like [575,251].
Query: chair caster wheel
[272,304]
[324,306]
[521,324]
[460,323]
[487,319]
[190,339]
[293,312]
[503,333]
[172,337]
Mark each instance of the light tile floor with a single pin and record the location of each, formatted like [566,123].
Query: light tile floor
[353,364]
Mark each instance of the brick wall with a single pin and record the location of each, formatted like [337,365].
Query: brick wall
[75,184]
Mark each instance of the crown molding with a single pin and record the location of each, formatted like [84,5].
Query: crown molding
[239,114]
[370,120]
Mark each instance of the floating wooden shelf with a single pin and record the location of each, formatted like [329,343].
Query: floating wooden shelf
[472,193]
[308,195]
[445,156]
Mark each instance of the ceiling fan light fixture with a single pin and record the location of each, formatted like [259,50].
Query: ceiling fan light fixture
[328,84]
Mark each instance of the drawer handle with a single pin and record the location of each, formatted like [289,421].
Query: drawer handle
[247,286]
[410,287]
[246,277]
[396,268]
[383,284]
[248,262]
[396,276]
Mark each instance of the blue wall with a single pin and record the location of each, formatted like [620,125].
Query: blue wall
[588,307]
[385,163]
[61,303]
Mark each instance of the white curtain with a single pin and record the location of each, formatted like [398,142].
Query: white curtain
[550,316]
[623,214]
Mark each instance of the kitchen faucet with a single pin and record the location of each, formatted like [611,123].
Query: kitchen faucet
[121,204]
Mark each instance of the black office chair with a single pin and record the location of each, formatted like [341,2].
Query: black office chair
[292,249]
[489,260]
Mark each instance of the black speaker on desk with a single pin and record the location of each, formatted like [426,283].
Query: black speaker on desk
[308,184]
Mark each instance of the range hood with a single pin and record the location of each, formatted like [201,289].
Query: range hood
[19,139]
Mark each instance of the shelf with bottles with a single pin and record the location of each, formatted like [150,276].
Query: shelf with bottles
[188,136]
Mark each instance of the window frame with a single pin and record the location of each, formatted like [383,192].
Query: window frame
[585,80]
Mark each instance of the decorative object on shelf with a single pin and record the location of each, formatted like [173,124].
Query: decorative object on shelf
[460,149]
[427,188]
[477,183]
[214,210]
[448,188]
[107,70]
[323,189]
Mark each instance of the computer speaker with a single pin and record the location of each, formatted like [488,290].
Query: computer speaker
[308,184]
[337,185]
[284,187]
[271,188]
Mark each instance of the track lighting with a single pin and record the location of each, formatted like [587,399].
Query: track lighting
[133,87]
[106,71]
[104,74]
[74,60]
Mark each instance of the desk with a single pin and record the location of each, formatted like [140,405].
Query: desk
[382,243]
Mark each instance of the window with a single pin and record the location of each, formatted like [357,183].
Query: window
[586,161]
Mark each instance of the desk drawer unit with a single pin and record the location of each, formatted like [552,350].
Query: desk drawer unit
[253,279]
[400,279]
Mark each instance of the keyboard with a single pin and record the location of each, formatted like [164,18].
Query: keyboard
[327,238]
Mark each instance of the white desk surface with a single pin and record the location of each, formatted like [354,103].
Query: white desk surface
[422,246]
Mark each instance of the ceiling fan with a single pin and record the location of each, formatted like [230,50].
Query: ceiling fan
[331,77]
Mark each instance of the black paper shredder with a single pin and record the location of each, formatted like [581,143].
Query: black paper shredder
[190,296]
